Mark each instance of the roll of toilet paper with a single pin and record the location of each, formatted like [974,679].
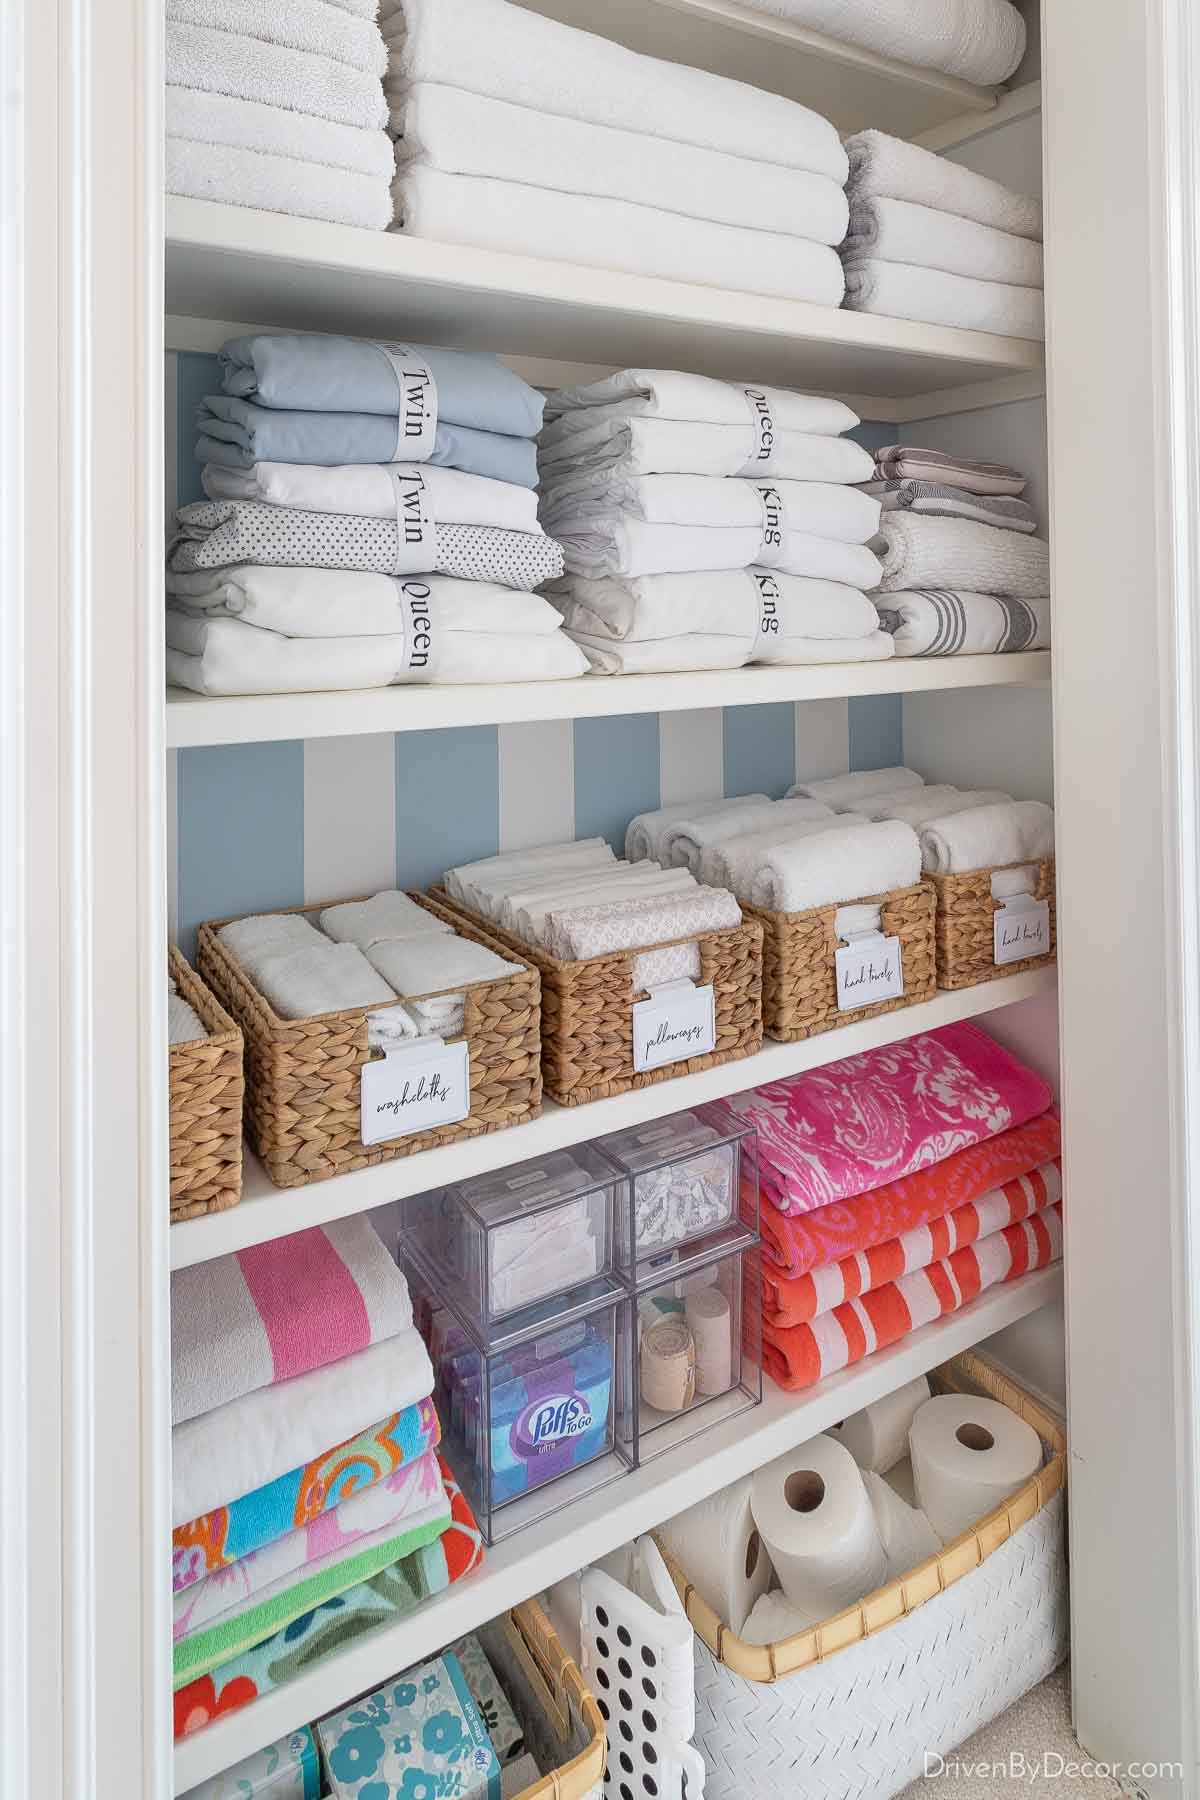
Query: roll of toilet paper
[819,1527]
[877,1437]
[717,1545]
[773,1619]
[968,1455]
[710,1318]
[908,1537]
[668,1366]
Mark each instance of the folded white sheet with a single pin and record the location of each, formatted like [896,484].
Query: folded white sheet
[368,491]
[901,291]
[323,978]
[893,169]
[252,941]
[705,650]
[900,231]
[461,133]
[620,446]
[977,40]
[234,175]
[431,965]
[693,399]
[784,817]
[929,803]
[490,47]
[247,68]
[621,545]
[388,915]
[225,656]
[311,25]
[184,1024]
[630,924]
[759,608]
[475,884]
[352,603]
[737,861]
[835,866]
[528,916]
[1014,831]
[844,790]
[918,552]
[644,834]
[825,509]
[949,622]
[512,217]
[876,646]
[940,500]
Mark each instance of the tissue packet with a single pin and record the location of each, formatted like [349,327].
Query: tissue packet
[495,1708]
[420,1733]
[287,1770]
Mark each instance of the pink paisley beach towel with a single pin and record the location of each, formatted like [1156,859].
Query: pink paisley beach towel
[262,1315]
[853,1125]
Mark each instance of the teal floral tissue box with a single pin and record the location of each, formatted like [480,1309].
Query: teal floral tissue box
[508,1740]
[287,1770]
[419,1738]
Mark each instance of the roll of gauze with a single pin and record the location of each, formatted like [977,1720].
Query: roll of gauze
[718,1547]
[968,1455]
[908,1537]
[819,1528]
[877,1437]
[773,1619]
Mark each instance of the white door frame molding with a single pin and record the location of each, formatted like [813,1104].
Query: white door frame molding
[84,1412]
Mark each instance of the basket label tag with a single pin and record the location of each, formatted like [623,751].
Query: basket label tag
[415,1088]
[1020,928]
[869,969]
[679,1020]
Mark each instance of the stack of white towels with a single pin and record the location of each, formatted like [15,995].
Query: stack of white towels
[931,240]
[963,571]
[976,40]
[184,1024]
[371,519]
[578,900]
[517,133]
[279,107]
[709,524]
[366,953]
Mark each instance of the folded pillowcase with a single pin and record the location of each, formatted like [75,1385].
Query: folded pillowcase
[835,866]
[1016,831]
[948,622]
[576,934]
[427,965]
[644,834]
[368,490]
[351,603]
[920,553]
[387,915]
[526,914]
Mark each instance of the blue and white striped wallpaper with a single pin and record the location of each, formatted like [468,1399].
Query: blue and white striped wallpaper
[257,826]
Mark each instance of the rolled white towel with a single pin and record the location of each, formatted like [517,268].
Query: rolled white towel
[845,790]
[879,806]
[644,836]
[251,941]
[430,965]
[184,1024]
[784,815]
[919,811]
[387,915]
[985,837]
[685,838]
[326,978]
[737,861]
[833,867]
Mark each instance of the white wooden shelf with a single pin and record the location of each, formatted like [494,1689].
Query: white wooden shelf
[235,264]
[267,1212]
[193,719]
[591,1527]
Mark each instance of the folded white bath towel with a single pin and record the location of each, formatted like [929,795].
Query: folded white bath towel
[387,915]
[630,924]
[312,25]
[917,552]
[824,509]
[618,544]
[691,399]
[252,941]
[490,47]
[647,882]
[784,817]
[890,168]
[831,867]
[644,835]
[1015,831]
[684,840]
[225,656]
[473,884]
[368,491]
[184,1024]
[845,790]
[737,861]
[940,500]
[977,40]
[351,603]
[461,133]
[949,622]
[224,62]
[324,978]
[758,607]
[610,441]
[433,964]
[508,216]
[705,650]
[901,291]
[900,231]
[235,176]
[929,803]
[193,115]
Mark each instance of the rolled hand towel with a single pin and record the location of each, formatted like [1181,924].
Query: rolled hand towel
[387,915]
[931,803]
[939,500]
[685,838]
[490,47]
[644,834]
[835,866]
[756,605]
[618,545]
[783,816]
[509,216]
[214,534]
[347,603]
[369,491]
[432,965]
[736,860]
[302,25]
[949,622]
[957,553]
[623,446]
[302,984]
[902,291]
[880,805]
[978,40]
[845,790]
[239,175]
[984,837]
[184,1024]
[252,941]
[460,133]
[910,461]
[825,509]
[220,61]
[473,883]
[901,232]
[889,168]
[581,932]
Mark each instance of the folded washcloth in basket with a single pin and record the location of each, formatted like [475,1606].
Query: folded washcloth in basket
[985,837]
[431,964]
[902,291]
[644,834]
[825,509]
[910,461]
[756,605]
[940,500]
[184,1024]
[368,491]
[251,941]
[889,168]
[920,553]
[581,932]
[845,790]
[302,984]
[783,817]
[387,915]
[351,603]
[835,866]
[949,622]
[222,61]
[899,231]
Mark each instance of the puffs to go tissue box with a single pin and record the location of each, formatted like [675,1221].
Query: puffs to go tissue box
[287,1770]
[421,1735]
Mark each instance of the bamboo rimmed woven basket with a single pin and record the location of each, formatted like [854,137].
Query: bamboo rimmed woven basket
[560,1718]
[587,1016]
[303,1088]
[965,911]
[207,1084]
[888,1605]
[800,969]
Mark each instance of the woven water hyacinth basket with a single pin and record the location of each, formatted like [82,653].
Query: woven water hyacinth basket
[965,911]
[800,970]
[207,1085]
[563,1729]
[303,1088]
[587,1018]
[852,1707]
